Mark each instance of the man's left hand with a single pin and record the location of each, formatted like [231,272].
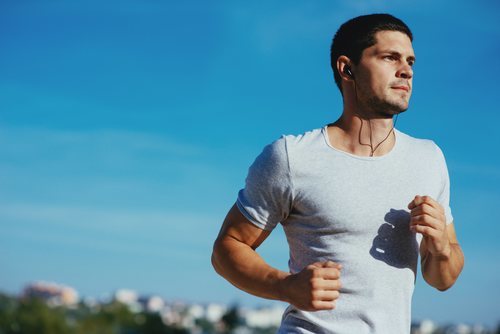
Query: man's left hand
[428,218]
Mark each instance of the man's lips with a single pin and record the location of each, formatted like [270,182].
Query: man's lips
[403,87]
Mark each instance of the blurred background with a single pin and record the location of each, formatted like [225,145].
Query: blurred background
[127,128]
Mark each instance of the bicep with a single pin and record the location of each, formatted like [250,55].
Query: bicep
[237,227]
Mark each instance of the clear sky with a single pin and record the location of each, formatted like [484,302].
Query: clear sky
[127,127]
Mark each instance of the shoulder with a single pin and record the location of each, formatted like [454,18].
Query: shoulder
[280,146]
[423,148]
[305,141]
[278,152]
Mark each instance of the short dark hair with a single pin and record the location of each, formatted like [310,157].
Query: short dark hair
[358,34]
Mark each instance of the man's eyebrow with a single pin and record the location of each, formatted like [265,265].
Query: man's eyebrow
[398,54]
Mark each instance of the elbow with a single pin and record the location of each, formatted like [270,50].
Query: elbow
[439,284]
[214,258]
[443,288]
[214,262]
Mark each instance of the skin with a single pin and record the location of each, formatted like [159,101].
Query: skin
[380,88]
[442,257]
[315,288]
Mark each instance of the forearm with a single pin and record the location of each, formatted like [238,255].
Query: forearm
[243,267]
[442,272]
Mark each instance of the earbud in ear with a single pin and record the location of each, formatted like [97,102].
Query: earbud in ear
[347,70]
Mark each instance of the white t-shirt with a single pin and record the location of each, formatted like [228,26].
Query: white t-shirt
[351,210]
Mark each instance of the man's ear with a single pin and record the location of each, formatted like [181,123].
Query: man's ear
[344,68]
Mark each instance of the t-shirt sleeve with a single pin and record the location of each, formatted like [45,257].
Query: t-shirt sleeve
[267,197]
[444,196]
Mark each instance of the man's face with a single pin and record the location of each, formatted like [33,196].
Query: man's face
[384,74]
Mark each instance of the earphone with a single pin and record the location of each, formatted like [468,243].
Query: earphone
[347,70]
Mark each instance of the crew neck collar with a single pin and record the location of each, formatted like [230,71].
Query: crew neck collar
[397,140]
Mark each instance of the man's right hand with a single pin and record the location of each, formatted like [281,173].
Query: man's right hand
[314,288]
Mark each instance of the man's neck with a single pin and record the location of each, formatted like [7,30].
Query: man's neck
[361,135]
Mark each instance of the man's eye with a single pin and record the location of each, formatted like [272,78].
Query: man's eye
[389,58]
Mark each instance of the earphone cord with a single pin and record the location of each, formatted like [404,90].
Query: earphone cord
[369,122]
[371,145]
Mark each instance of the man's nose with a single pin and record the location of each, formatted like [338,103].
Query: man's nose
[405,72]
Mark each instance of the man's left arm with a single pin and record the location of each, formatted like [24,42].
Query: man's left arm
[442,257]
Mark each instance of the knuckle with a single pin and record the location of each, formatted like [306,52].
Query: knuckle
[315,272]
[333,273]
[315,284]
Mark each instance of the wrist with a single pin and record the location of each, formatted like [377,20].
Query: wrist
[282,286]
[445,254]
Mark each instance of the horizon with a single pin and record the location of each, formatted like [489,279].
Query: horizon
[271,304]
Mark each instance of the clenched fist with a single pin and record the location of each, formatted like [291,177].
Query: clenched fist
[428,218]
[314,288]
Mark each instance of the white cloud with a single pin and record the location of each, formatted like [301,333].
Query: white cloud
[29,140]
[98,162]
[109,230]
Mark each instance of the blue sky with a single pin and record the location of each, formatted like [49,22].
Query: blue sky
[126,130]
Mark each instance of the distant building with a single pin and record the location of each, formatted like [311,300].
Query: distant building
[52,293]
[423,327]
[126,296]
[263,317]
[129,298]
[466,329]
[214,312]
[153,304]
[196,311]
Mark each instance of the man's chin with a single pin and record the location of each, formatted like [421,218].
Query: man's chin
[392,111]
[402,110]
[397,108]
[387,108]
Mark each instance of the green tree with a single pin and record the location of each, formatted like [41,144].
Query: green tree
[153,324]
[33,316]
[8,308]
[111,318]
[231,319]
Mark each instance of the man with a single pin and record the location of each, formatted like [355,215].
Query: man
[357,200]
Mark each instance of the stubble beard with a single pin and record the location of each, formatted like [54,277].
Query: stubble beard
[386,107]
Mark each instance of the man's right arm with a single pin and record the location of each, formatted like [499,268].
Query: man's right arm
[234,257]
